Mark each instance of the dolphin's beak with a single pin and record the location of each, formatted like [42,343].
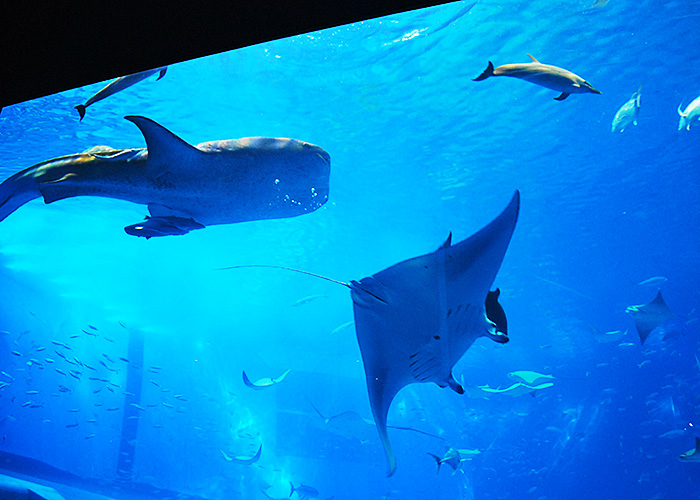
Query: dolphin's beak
[595,91]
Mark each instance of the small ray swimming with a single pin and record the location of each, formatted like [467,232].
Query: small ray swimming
[692,455]
[551,77]
[185,187]
[649,316]
[118,85]
[416,319]
[243,460]
[263,382]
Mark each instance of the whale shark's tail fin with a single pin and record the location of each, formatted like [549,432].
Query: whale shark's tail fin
[487,72]
[16,191]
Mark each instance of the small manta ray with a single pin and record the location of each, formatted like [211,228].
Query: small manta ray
[649,316]
[264,382]
[530,378]
[454,458]
[243,460]
[185,187]
[118,85]
[628,113]
[692,455]
[551,77]
[416,319]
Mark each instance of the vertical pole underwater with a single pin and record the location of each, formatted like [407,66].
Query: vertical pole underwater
[130,416]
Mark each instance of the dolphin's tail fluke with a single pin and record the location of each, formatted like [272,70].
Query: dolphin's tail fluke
[681,113]
[487,72]
[81,111]
[439,462]
[16,191]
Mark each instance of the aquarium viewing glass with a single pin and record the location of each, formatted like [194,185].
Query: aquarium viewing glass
[158,341]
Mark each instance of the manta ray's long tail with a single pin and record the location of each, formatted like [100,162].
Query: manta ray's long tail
[16,191]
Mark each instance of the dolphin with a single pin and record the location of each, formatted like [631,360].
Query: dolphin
[118,85]
[692,455]
[263,382]
[628,113]
[690,115]
[551,77]
[185,187]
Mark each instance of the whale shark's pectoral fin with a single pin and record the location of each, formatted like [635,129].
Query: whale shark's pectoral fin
[163,226]
[165,150]
[562,96]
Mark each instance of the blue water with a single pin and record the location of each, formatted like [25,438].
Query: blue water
[418,150]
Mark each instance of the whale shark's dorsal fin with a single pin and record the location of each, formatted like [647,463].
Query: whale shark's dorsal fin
[533,59]
[162,145]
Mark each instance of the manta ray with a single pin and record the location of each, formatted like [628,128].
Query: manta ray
[416,319]
[263,382]
[649,316]
[185,187]
[551,77]
[692,455]
[529,377]
[118,85]
[244,460]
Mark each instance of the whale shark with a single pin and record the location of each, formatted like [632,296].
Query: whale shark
[649,316]
[185,187]
[551,77]
[118,85]
[691,114]
[628,112]
[416,319]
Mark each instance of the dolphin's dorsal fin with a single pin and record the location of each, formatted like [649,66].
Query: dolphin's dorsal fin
[533,59]
[162,146]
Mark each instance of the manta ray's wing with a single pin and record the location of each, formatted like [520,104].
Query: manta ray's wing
[649,316]
[415,319]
